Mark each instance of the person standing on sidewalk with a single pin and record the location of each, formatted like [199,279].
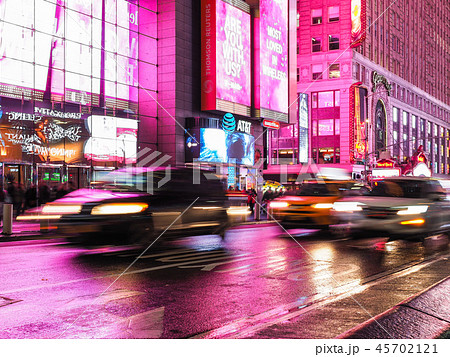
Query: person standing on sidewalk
[2,201]
[251,200]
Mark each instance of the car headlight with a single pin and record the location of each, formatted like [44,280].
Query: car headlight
[323,205]
[411,210]
[119,208]
[347,206]
[61,209]
[278,204]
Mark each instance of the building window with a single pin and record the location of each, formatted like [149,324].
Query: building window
[316,16]
[334,71]
[326,127]
[337,98]
[298,19]
[317,71]
[395,115]
[325,99]
[316,44]
[333,14]
[333,42]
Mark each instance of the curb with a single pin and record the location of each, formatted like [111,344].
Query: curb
[424,315]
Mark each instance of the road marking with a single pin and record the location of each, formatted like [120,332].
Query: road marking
[91,299]
[131,272]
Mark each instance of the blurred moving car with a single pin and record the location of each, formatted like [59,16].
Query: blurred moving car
[309,206]
[397,207]
[134,206]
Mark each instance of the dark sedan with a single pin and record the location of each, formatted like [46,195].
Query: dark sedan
[135,206]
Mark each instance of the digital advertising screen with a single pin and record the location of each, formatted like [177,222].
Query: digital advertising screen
[58,45]
[358,17]
[111,139]
[273,47]
[226,61]
[42,136]
[219,146]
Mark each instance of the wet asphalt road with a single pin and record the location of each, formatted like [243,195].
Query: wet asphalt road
[254,284]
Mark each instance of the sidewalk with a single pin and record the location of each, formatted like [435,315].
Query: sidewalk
[422,316]
[21,231]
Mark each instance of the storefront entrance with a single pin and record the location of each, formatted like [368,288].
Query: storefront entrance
[18,173]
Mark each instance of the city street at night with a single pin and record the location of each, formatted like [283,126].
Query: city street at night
[258,282]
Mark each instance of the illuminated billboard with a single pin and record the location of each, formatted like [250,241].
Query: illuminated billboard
[358,112]
[226,72]
[303,127]
[39,134]
[358,17]
[73,49]
[111,139]
[217,145]
[273,59]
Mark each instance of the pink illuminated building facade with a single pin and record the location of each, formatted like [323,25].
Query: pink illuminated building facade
[90,86]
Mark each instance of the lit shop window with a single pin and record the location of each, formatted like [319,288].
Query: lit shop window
[316,44]
[333,42]
[333,13]
[317,71]
[316,16]
[326,156]
[334,71]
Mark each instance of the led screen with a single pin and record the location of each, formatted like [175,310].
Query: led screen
[112,139]
[232,54]
[358,17]
[45,45]
[274,55]
[45,135]
[219,146]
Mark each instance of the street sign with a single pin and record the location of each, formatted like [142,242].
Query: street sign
[272,124]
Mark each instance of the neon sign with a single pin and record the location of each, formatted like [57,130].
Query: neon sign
[385,164]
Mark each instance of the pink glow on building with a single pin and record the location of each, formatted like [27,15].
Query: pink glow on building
[325,65]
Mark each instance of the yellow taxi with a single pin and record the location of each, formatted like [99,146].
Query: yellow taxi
[309,206]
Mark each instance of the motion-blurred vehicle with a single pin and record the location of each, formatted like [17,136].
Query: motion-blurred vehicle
[309,206]
[134,206]
[397,207]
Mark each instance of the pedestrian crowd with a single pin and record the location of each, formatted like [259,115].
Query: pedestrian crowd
[23,199]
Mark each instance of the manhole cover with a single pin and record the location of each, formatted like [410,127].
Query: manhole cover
[5,301]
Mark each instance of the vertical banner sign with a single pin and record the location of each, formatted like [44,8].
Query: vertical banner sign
[273,34]
[358,115]
[208,48]
[303,125]
[358,16]
[226,72]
